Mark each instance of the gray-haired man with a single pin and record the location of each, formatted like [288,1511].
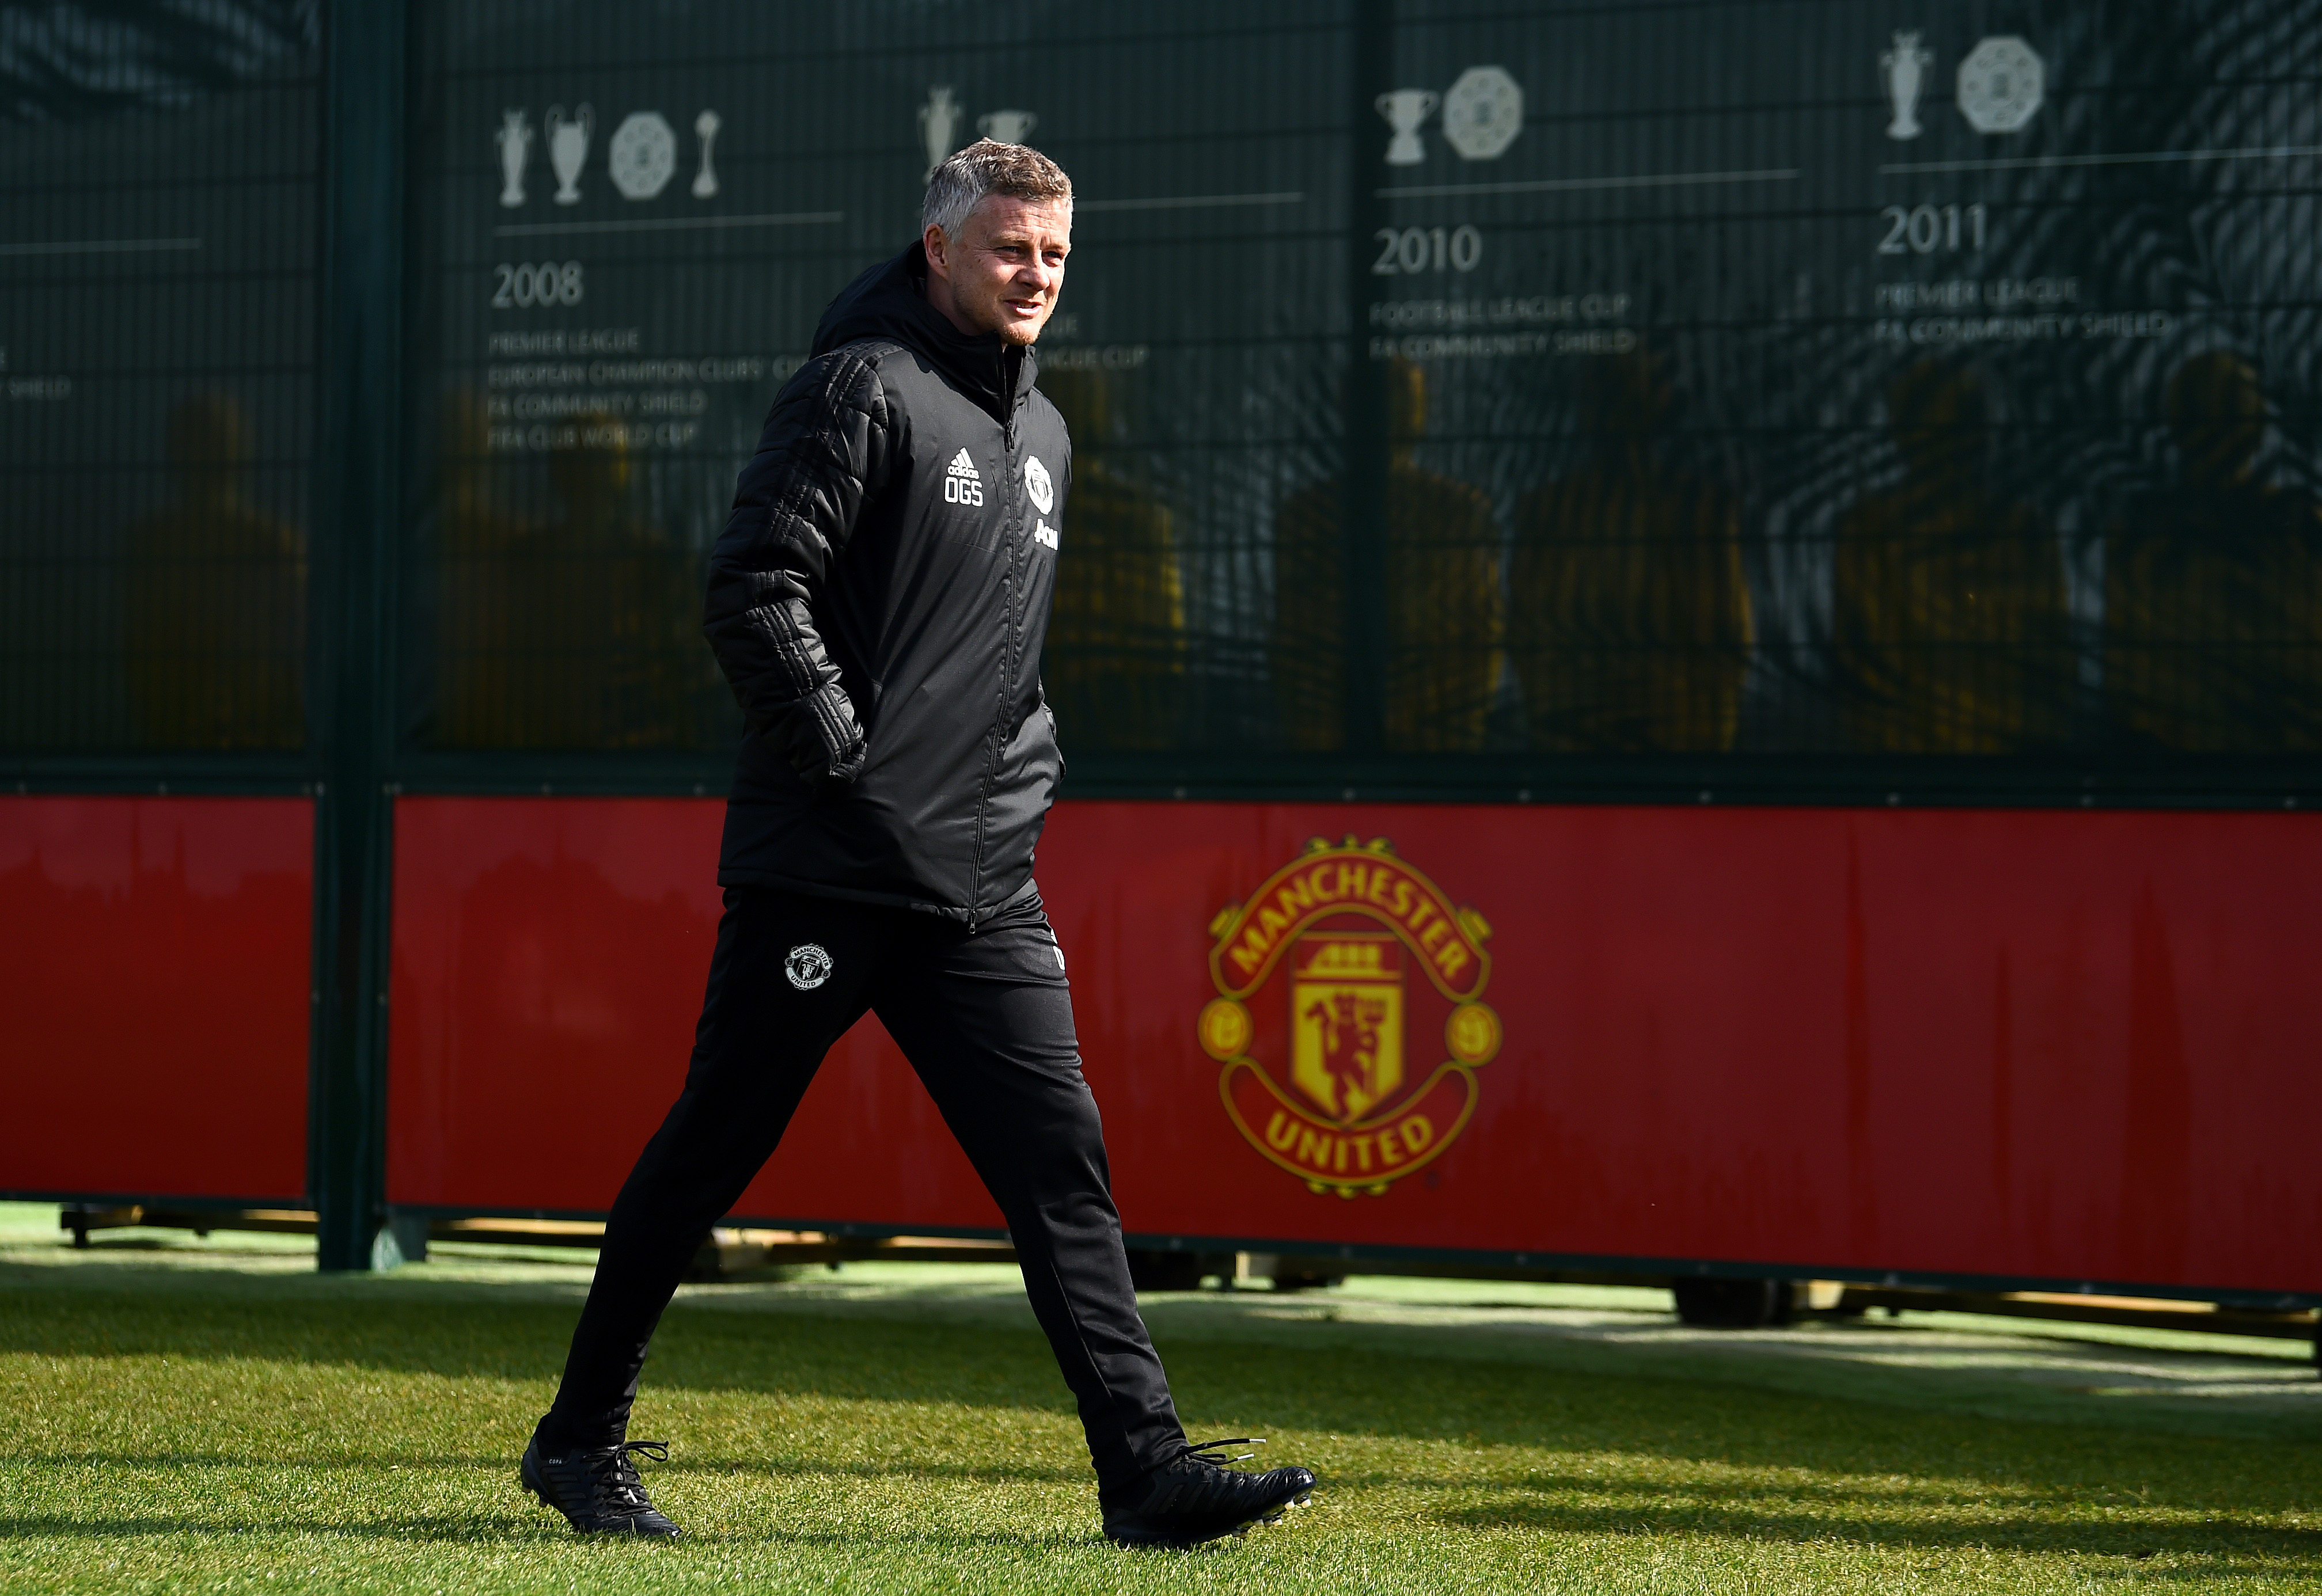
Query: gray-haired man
[878,602]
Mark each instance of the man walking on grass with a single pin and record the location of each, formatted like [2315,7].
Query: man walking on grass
[878,602]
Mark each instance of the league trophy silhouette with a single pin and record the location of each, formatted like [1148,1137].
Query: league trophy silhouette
[1404,109]
[568,148]
[1010,127]
[515,139]
[705,128]
[939,120]
[1906,69]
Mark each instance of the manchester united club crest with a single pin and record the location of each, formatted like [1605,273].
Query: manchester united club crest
[1334,981]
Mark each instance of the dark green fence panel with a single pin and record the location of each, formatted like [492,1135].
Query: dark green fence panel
[1573,400]
[629,227]
[1788,399]
[1824,387]
[158,266]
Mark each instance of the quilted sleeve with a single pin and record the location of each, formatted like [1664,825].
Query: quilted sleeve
[824,452]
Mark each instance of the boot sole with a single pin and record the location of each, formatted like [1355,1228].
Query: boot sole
[1183,1543]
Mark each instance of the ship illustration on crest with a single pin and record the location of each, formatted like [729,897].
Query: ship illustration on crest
[1329,1086]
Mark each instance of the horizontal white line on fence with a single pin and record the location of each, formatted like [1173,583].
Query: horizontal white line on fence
[1783,174]
[666,223]
[2132,157]
[103,246]
[1191,202]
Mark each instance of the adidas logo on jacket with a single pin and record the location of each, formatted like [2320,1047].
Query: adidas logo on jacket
[962,486]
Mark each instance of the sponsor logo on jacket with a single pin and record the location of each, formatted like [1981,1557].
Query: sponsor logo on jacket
[962,486]
[1328,1086]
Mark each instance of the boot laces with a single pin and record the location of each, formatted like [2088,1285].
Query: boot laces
[1200,1452]
[613,1478]
[1196,1484]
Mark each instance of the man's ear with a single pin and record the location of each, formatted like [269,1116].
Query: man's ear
[937,249]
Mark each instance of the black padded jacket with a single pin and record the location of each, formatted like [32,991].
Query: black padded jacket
[878,601]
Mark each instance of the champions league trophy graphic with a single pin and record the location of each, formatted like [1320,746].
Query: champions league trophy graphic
[705,128]
[1008,127]
[568,148]
[1907,66]
[939,120]
[515,140]
[1404,109]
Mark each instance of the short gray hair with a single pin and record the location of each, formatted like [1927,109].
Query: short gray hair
[990,167]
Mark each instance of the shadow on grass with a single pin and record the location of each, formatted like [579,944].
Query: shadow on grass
[507,1530]
[1878,1516]
[2257,1551]
[774,1467]
[439,1528]
[460,1332]
[1348,1390]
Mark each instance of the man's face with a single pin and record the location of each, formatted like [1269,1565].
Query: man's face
[1003,272]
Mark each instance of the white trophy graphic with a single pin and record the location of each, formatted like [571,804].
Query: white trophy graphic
[1404,109]
[1906,67]
[2001,83]
[515,139]
[1483,113]
[939,120]
[1010,127]
[705,128]
[640,156]
[568,148]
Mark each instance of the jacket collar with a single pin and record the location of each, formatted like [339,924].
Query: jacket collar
[890,301]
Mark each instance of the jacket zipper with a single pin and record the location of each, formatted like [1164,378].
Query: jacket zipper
[997,742]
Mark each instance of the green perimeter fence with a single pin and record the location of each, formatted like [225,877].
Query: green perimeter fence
[1792,400]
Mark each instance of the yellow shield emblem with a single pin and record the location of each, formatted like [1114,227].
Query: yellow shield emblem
[1346,1021]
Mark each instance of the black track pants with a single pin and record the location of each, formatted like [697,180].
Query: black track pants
[986,1019]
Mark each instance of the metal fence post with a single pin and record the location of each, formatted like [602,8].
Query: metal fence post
[352,708]
[1363,514]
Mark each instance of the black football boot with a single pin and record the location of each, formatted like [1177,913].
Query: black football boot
[597,1487]
[1194,1498]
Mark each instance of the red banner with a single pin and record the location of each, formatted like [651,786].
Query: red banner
[2058,1046]
[154,971]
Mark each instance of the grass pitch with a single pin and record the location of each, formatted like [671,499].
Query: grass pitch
[214,1416]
